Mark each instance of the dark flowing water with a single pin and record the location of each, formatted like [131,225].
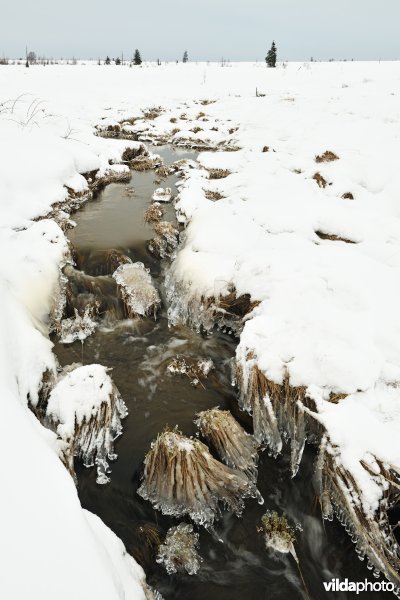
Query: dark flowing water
[138,351]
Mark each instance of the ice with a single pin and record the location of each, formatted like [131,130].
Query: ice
[179,553]
[78,327]
[137,290]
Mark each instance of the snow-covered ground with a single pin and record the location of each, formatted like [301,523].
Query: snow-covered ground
[327,317]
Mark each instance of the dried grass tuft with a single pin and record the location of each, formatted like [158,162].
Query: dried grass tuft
[182,478]
[348,196]
[152,113]
[234,446]
[321,181]
[218,173]
[213,195]
[196,129]
[333,238]
[154,213]
[327,156]
[143,164]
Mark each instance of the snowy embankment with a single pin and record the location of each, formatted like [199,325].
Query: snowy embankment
[306,221]
[268,236]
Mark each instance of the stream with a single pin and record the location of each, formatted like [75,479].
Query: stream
[138,351]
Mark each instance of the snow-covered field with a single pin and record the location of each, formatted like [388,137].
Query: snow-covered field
[324,269]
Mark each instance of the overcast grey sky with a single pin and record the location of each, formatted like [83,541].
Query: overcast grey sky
[208,29]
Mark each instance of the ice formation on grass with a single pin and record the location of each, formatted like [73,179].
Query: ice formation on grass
[78,327]
[182,478]
[85,409]
[162,195]
[165,241]
[179,553]
[277,532]
[195,370]
[137,290]
[234,445]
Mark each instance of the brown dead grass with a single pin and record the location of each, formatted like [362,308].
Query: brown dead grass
[152,113]
[153,213]
[332,237]
[213,195]
[196,129]
[321,181]
[327,156]
[143,164]
[218,173]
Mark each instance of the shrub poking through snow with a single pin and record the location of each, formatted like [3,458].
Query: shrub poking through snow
[154,213]
[333,237]
[327,156]
[85,409]
[179,553]
[213,195]
[218,173]
[137,290]
[194,370]
[152,113]
[166,240]
[348,196]
[321,181]
[235,447]
[182,478]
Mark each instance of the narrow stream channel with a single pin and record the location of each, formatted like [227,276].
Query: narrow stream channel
[138,352]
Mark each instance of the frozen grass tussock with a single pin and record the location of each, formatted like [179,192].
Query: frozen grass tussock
[85,409]
[182,478]
[165,241]
[137,290]
[178,553]
[234,445]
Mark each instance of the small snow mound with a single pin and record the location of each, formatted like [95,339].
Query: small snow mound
[162,195]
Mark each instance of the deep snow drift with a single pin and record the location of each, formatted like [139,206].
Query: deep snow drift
[314,244]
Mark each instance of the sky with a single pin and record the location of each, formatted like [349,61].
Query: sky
[208,29]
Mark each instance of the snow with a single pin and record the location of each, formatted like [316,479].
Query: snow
[328,312]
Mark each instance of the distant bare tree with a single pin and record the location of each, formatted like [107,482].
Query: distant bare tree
[31,57]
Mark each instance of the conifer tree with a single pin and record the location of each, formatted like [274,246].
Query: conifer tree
[270,59]
[185,57]
[107,61]
[137,59]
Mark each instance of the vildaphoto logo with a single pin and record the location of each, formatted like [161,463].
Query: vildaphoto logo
[336,585]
